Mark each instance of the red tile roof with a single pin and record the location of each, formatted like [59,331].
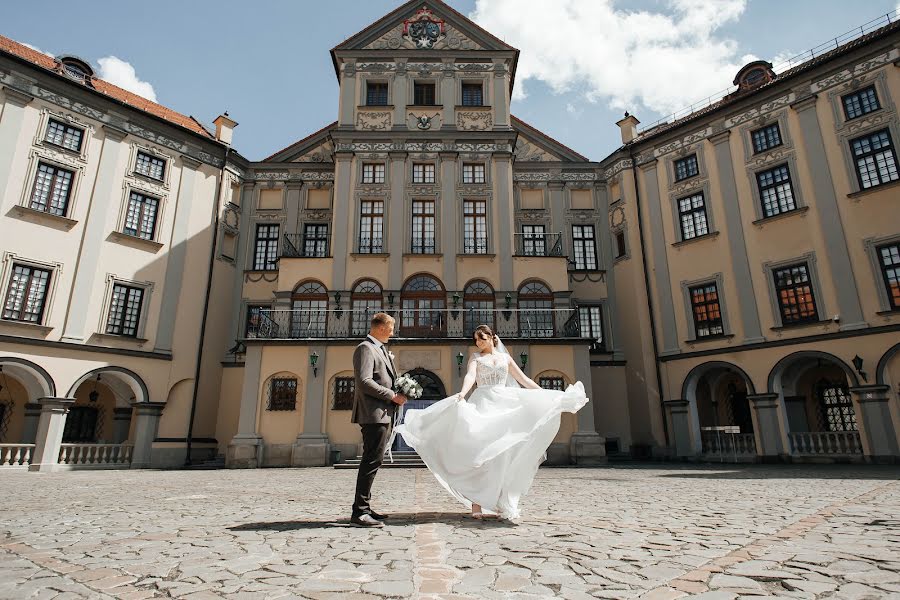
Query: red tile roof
[107,89]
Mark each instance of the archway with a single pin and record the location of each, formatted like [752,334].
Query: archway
[432,391]
[718,391]
[22,384]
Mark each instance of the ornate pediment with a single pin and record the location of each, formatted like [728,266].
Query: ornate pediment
[324,152]
[535,146]
[424,35]
[315,148]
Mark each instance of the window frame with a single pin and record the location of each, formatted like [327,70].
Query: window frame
[760,190]
[45,297]
[872,153]
[757,149]
[362,299]
[693,212]
[283,404]
[248,318]
[41,162]
[893,301]
[479,301]
[369,92]
[424,85]
[349,383]
[472,85]
[420,220]
[582,243]
[710,322]
[783,306]
[474,222]
[272,243]
[52,120]
[110,326]
[143,198]
[375,222]
[321,246]
[371,174]
[858,93]
[474,166]
[601,323]
[151,157]
[421,174]
[683,160]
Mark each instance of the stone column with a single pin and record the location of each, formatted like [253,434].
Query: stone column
[30,425]
[395,228]
[121,424]
[500,100]
[245,449]
[874,414]
[348,96]
[49,434]
[399,95]
[587,447]
[679,412]
[502,244]
[146,426]
[771,441]
[448,93]
[311,446]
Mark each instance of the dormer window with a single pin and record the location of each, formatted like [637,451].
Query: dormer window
[753,75]
[76,68]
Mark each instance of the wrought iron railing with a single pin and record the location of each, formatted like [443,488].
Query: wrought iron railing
[370,245]
[475,245]
[538,244]
[418,323]
[819,443]
[16,455]
[87,456]
[298,245]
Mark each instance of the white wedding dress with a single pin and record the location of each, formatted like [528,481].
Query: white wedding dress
[487,450]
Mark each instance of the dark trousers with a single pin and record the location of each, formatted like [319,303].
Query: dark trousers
[375,438]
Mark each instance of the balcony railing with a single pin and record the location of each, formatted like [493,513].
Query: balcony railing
[370,245]
[278,324]
[475,245]
[538,244]
[16,455]
[825,443]
[723,441]
[298,245]
[96,456]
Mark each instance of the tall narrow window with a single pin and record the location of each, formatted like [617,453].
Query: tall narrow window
[150,166]
[52,187]
[706,310]
[534,240]
[367,301]
[371,226]
[343,393]
[423,300]
[376,94]
[472,94]
[836,406]
[475,227]
[686,167]
[309,310]
[140,220]
[584,246]
[766,138]
[423,173]
[282,394]
[473,173]
[265,250]
[876,162]
[793,288]
[591,323]
[692,216]
[478,305]
[776,191]
[315,240]
[621,250]
[860,102]
[125,310]
[423,94]
[64,135]
[373,173]
[535,310]
[889,261]
[27,294]
[423,227]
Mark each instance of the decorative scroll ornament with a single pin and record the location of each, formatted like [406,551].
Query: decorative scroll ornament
[424,29]
[423,122]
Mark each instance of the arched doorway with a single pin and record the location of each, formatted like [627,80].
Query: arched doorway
[719,392]
[22,384]
[423,299]
[432,391]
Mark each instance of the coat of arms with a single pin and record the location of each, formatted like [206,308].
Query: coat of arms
[424,29]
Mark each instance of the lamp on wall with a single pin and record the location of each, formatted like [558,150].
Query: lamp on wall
[313,359]
[391,300]
[94,395]
[337,305]
[455,298]
[523,358]
[459,361]
[508,300]
[857,364]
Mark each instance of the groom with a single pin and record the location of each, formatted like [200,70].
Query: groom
[374,405]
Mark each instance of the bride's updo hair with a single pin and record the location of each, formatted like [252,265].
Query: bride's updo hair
[484,330]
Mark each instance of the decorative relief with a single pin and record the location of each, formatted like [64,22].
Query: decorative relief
[546,176]
[424,31]
[858,70]
[377,68]
[533,215]
[273,176]
[682,145]
[762,110]
[63,158]
[528,152]
[769,157]
[319,154]
[314,176]
[866,122]
[474,120]
[617,168]
[232,218]
[424,121]
[421,147]
[694,183]
[318,215]
[373,121]
[617,217]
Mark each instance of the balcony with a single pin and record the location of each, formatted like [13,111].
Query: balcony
[538,244]
[432,323]
[298,245]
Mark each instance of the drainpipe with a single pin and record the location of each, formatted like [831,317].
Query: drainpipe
[209,276]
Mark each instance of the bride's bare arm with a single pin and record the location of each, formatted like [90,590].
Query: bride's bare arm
[469,380]
[519,376]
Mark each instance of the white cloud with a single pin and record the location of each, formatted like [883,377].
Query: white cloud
[121,73]
[36,49]
[661,61]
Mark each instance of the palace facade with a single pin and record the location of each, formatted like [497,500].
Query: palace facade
[726,285]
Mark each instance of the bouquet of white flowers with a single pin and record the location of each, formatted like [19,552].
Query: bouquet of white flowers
[408,386]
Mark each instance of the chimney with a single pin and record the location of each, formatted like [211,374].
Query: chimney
[224,128]
[628,125]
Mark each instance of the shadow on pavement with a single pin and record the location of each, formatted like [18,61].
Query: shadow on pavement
[393,520]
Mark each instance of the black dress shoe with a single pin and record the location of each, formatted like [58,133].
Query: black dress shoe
[365,521]
[378,517]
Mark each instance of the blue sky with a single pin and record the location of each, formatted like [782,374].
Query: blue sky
[583,61]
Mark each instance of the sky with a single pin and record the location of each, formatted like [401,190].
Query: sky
[582,62]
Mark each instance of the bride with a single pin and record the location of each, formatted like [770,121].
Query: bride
[486,451]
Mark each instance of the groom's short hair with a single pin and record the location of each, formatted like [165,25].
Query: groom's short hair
[379,319]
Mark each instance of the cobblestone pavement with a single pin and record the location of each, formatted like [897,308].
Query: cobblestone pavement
[654,532]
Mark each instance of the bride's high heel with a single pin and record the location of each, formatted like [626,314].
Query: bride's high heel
[477,514]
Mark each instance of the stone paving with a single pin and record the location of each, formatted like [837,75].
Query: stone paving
[656,532]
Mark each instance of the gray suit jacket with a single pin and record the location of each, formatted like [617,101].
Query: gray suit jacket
[374,385]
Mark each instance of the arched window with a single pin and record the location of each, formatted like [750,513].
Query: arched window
[478,302]
[309,314]
[535,310]
[835,406]
[423,301]
[366,300]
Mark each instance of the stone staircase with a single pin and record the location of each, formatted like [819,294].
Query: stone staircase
[211,463]
[404,459]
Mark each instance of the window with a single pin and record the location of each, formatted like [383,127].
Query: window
[27,294]
[536,310]
[309,310]
[472,94]
[692,216]
[315,240]
[376,94]
[81,425]
[534,242]
[254,316]
[423,94]
[875,160]
[423,301]
[686,167]
[140,220]
[423,173]
[125,310]
[836,406]
[282,394]
[475,227]
[478,305]
[775,191]
[590,319]
[52,188]
[861,102]
[889,262]
[373,173]
[793,288]
[584,247]
[706,310]
[150,166]
[552,383]
[766,138]
[423,227]
[64,135]
[343,393]
[620,244]
[371,226]
[265,252]
[473,172]
[366,300]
